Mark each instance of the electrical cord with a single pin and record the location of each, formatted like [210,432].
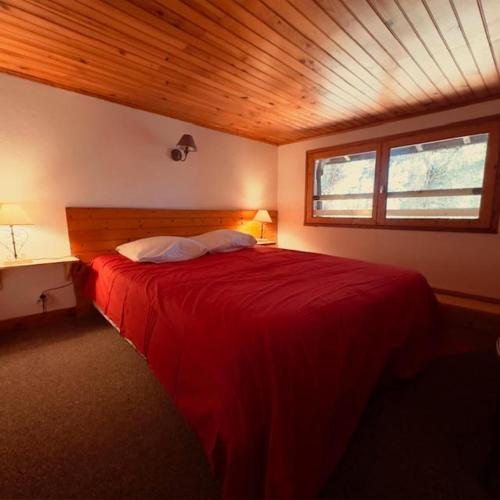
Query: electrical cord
[43,296]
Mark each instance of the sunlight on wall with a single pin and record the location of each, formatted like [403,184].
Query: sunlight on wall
[60,149]
[104,154]
[452,260]
[253,192]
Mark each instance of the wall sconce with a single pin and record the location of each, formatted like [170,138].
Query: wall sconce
[184,146]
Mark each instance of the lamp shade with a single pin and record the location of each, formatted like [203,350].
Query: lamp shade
[262,216]
[12,214]
[187,142]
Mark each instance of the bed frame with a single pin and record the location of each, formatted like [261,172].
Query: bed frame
[96,231]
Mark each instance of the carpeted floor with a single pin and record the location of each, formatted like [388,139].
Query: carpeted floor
[82,417]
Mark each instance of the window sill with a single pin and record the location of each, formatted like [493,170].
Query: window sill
[401,226]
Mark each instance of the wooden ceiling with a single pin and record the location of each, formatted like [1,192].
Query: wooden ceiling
[273,70]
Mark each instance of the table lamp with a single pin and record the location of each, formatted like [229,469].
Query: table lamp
[12,215]
[262,216]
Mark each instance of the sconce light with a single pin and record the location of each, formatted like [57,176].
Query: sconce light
[184,146]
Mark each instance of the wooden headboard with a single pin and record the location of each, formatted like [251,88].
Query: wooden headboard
[97,231]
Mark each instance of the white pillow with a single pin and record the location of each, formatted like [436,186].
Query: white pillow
[162,249]
[225,240]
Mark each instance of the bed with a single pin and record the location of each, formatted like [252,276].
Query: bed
[270,355]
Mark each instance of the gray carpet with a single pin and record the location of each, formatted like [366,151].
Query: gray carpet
[425,439]
[81,416]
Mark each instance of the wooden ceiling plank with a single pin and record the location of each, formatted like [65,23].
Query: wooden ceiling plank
[446,23]
[118,96]
[471,23]
[267,97]
[70,40]
[491,14]
[268,40]
[337,12]
[321,95]
[80,66]
[112,93]
[369,18]
[449,31]
[302,91]
[395,21]
[281,104]
[346,41]
[114,96]
[228,30]
[313,45]
[277,71]
[112,72]
[176,71]
[340,46]
[72,70]
[331,116]
[179,98]
[423,25]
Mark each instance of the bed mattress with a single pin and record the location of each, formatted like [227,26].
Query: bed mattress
[271,355]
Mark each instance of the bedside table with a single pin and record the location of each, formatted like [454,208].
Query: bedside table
[21,285]
[38,262]
[265,242]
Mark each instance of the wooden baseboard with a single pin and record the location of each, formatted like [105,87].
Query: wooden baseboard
[464,295]
[37,320]
[461,311]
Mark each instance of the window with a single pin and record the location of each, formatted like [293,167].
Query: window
[438,179]
[344,185]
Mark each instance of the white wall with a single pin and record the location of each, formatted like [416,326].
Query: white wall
[59,149]
[456,261]
[22,286]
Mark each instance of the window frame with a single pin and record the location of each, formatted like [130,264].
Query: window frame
[349,149]
[490,196]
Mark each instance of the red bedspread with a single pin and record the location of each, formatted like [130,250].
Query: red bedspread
[270,355]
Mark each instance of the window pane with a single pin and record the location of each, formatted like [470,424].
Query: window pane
[361,207]
[343,185]
[435,207]
[452,168]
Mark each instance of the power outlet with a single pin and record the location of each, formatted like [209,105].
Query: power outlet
[42,299]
